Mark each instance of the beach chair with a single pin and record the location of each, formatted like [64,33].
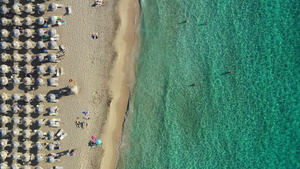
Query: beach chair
[54,39]
[54,125]
[69,10]
[58,167]
[59,5]
[63,136]
[62,48]
[57,120]
[59,132]
[59,72]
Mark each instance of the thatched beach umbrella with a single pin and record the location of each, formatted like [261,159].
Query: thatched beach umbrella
[4,1]
[4,33]
[3,97]
[72,89]
[40,32]
[3,120]
[15,97]
[14,166]
[15,144]
[50,147]
[41,69]
[38,167]
[27,21]
[15,121]
[52,20]
[3,69]
[3,46]
[3,108]
[40,21]
[52,57]
[26,145]
[39,81]
[52,32]
[16,57]
[52,7]
[28,33]
[3,56]
[27,57]
[16,10]
[25,157]
[3,143]
[50,135]
[15,132]
[3,81]
[39,97]
[39,122]
[52,45]
[38,146]
[50,159]
[40,57]
[27,44]
[27,97]
[26,167]
[38,158]
[3,132]
[15,45]
[15,33]
[40,45]
[26,110]
[51,98]
[3,9]
[26,134]
[16,21]
[15,81]
[3,165]
[15,156]
[28,8]
[26,121]
[40,8]
[39,134]
[52,81]
[4,21]
[51,69]
[27,69]
[3,155]
[39,110]
[15,109]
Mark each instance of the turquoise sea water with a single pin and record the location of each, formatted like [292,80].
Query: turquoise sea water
[247,119]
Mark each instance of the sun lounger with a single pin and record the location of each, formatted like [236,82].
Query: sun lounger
[58,167]
[54,39]
[62,48]
[54,125]
[59,72]
[69,10]
[59,5]
[63,136]
[56,120]
[59,132]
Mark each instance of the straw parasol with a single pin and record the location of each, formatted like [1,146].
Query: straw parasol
[27,21]
[3,165]
[16,10]
[52,45]
[52,32]
[51,122]
[14,166]
[50,135]
[27,33]
[51,98]
[3,97]
[15,132]
[15,81]
[15,144]
[52,82]
[3,132]
[16,21]
[26,121]
[3,108]
[3,21]
[3,9]
[40,57]
[3,81]
[72,89]
[4,33]
[27,69]
[16,57]
[3,155]
[3,143]
[38,167]
[3,69]
[40,45]
[39,81]
[15,109]
[38,146]
[52,20]
[3,46]
[15,45]
[3,120]
[50,147]
[15,33]
[27,57]
[39,97]
[26,110]
[39,110]
[15,156]
[52,57]
[40,8]
[51,69]
[39,134]
[40,21]
[52,7]
[27,45]
[4,1]
[27,98]
[41,69]
[50,159]
[38,158]
[25,157]
[25,167]
[39,122]
[26,134]
[26,145]
[27,8]
[40,32]
[15,97]
[15,121]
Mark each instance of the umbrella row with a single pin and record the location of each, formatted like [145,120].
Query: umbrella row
[27,32]
[28,8]
[26,97]
[26,122]
[28,57]
[17,166]
[28,81]
[26,134]
[28,69]
[17,21]
[27,45]
[26,158]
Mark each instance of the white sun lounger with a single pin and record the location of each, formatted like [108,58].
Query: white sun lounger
[63,136]
[58,167]
[69,10]
[54,39]
[59,132]
[56,120]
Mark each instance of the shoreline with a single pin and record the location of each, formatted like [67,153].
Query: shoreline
[125,45]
